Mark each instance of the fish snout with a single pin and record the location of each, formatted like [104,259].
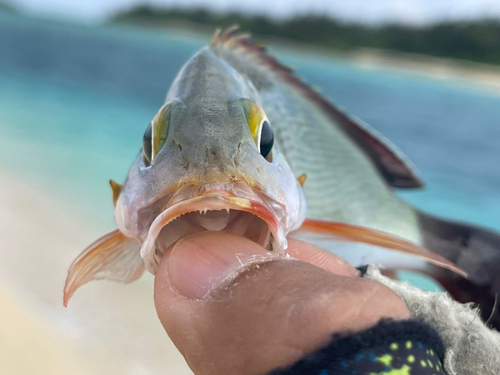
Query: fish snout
[233,208]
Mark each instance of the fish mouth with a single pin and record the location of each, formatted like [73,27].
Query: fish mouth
[234,208]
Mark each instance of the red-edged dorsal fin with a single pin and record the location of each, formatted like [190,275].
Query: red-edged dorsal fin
[112,257]
[389,161]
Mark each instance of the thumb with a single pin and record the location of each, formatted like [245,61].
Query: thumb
[230,306]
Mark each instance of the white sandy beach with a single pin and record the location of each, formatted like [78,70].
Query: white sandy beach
[480,76]
[108,328]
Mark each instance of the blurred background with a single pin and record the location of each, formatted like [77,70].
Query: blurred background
[81,80]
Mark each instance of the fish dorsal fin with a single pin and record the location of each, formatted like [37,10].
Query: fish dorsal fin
[389,161]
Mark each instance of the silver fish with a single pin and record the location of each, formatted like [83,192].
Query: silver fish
[231,149]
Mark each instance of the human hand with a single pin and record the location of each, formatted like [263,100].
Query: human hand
[231,307]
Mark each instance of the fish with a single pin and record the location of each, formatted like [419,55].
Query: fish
[241,144]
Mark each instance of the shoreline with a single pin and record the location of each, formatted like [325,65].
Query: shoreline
[441,69]
[483,76]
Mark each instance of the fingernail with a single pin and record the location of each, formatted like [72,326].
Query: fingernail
[201,262]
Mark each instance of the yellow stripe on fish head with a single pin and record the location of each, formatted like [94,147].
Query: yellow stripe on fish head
[156,134]
[160,128]
[256,117]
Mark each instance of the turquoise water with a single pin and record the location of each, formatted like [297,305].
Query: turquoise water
[75,101]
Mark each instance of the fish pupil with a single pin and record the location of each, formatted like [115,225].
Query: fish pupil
[147,146]
[266,139]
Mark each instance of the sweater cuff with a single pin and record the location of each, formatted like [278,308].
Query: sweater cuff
[391,347]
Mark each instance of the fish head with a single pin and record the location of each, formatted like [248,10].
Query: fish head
[209,162]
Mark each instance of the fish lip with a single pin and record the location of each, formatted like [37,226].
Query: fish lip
[217,196]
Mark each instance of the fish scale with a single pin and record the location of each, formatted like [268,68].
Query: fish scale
[341,184]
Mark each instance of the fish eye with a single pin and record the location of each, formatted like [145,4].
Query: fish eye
[266,140]
[260,128]
[156,135]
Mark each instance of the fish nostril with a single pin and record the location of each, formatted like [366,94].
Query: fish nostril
[180,147]
[235,159]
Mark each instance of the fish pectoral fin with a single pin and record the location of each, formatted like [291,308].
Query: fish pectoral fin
[114,257]
[302,179]
[374,237]
[116,188]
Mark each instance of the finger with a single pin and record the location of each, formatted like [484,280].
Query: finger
[232,307]
[320,258]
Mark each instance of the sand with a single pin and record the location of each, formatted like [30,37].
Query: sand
[108,328]
[484,76]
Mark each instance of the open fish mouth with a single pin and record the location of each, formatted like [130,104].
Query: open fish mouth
[234,208]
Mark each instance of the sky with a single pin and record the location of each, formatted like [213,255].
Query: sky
[365,11]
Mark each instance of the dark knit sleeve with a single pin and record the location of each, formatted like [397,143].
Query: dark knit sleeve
[390,348]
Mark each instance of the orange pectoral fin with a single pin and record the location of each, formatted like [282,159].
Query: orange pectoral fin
[374,237]
[114,256]
[116,188]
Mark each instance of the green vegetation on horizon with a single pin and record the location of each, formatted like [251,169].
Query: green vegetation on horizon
[468,40]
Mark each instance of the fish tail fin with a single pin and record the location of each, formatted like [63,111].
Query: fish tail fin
[114,256]
[473,249]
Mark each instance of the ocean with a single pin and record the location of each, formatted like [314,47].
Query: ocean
[75,101]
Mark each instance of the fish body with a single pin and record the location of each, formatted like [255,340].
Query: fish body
[342,182]
[224,153]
